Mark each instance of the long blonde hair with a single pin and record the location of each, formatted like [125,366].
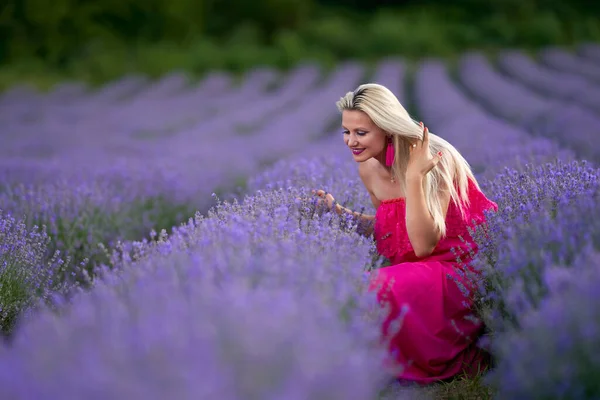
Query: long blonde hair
[451,173]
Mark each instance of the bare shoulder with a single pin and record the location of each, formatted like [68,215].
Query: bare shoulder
[366,171]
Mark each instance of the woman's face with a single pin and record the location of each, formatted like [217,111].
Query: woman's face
[365,139]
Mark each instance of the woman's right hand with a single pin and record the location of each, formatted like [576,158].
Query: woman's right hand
[325,199]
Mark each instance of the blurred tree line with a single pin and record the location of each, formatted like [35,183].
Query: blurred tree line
[59,29]
[279,31]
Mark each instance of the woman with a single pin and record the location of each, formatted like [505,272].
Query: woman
[426,199]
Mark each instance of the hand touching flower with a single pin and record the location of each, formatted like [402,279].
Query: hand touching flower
[324,198]
[420,160]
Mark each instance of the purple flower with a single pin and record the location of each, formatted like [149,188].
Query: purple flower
[555,351]
[543,219]
[27,272]
[488,143]
[569,62]
[571,125]
[255,300]
[264,296]
[545,80]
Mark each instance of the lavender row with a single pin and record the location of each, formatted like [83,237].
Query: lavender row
[151,115]
[261,300]
[170,104]
[93,122]
[540,188]
[112,96]
[78,146]
[541,238]
[238,155]
[173,142]
[103,144]
[81,212]
[589,51]
[554,354]
[245,261]
[286,131]
[67,92]
[563,85]
[282,124]
[289,132]
[569,124]
[563,60]
[23,105]
[122,130]
[529,201]
[117,198]
[489,144]
[264,250]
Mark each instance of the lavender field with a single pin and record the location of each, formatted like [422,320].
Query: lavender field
[152,243]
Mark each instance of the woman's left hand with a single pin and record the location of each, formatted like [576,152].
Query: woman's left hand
[420,160]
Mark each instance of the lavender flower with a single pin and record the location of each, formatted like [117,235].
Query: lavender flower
[306,174]
[79,214]
[252,301]
[551,82]
[26,274]
[543,219]
[562,60]
[265,296]
[555,352]
[489,144]
[569,124]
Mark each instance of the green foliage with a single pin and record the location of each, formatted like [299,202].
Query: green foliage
[14,296]
[99,42]
[63,29]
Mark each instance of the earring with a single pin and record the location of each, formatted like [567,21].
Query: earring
[390,154]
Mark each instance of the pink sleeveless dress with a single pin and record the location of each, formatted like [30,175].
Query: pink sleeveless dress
[435,341]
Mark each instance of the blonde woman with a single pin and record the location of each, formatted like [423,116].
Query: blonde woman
[426,197]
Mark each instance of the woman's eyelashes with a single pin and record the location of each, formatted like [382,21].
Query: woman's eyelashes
[359,133]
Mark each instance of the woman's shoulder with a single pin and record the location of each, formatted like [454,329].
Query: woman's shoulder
[367,169]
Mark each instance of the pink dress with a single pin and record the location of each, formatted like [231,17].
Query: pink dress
[435,341]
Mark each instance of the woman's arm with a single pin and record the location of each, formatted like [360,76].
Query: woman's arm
[422,233]
[366,221]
